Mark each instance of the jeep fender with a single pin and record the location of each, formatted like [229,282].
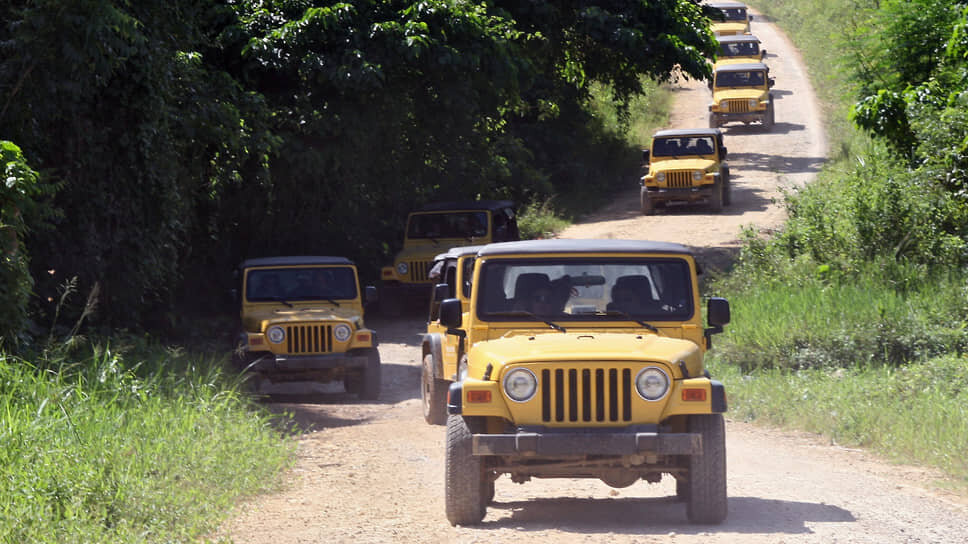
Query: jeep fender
[432,345]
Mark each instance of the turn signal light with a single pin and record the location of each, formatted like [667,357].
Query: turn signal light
[478,396]
[694,395]
[363,337]
[255,341]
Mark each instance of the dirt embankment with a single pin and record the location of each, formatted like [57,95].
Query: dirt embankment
[374,472]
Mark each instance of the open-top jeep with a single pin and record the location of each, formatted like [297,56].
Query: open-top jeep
[433,228]
[302,320]
[585,360]
[741,92]
[443,352]
[685,165]
[734,18]
[739,49]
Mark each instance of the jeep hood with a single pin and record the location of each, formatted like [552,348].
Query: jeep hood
[585,346]
[668,163]
[258,320]
[734,27]
[740,93]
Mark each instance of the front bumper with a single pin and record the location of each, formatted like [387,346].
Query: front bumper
[689,193]
[591,443]
[268,363]
[747,117]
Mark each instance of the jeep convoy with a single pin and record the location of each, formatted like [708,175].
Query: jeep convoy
[685,165]
[585,360]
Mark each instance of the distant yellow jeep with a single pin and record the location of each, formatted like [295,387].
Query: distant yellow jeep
[585,360]
[739,49]
[444,351]
[685,165]
[437,227]
[734,19]
[741,92]
[302,320]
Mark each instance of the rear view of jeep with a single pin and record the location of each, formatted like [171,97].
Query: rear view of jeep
[585,360]
[302,320]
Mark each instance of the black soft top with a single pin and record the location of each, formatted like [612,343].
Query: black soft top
[467,205]
[741,38]
[294,261]
[582,246]
[726,4]
[678,132]
[743,67]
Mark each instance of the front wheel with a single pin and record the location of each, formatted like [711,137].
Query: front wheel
[713,121]
[716,198]
[706,501]
[372,376]
[433,393]
[770,117]
[648,207]
[465,490]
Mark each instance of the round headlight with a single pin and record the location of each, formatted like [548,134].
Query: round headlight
[276,334]
[402,268]
[652,383]
[520,384]
[342,332]
[660,176]
[696,175]
[754,103]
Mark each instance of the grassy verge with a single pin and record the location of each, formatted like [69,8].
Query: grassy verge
[102,451]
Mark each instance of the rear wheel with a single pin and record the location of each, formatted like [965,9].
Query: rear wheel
[648,207]
[706,502]
[433,393]
[465,489]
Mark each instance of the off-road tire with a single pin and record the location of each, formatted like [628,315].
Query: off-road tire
[770,117]
[716,198]
[648,207]
[433,393]
[489,491]
[707,471]
[465,484]
[713,121]
[371,376]
[682,490]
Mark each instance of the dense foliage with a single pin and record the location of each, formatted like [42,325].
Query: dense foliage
[187,136]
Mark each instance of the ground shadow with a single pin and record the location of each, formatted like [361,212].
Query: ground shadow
[778,128]
[655,516]
[765,162]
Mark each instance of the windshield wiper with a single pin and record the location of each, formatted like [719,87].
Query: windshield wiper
[282,300]
[630,318]
[551,324]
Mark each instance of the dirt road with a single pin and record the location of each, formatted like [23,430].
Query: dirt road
[374,472]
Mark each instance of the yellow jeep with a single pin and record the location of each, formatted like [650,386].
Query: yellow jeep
[685,165]
[443,353]
[739,49]
[585,360]
[433,228]
[734,19]
[302,320]
[741,92]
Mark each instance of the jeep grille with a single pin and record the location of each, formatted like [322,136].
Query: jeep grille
[738,106]
[585,394]
[309,338]
[679,179]
[419,270]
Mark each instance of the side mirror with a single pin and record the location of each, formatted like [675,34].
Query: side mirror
[234,295]
[722,152]
[441,290]
[762,53]
[450,313]
[751,17]
[645,155]
[772,82]
[370,294]
[718,312]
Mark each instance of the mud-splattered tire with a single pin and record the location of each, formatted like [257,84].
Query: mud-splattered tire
[465,485]
[372,376]
[707,471]
[433,393]
[648,207]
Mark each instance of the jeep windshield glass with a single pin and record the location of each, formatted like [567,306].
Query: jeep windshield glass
[681,146]
[732,14]
[300,284]
[754,78]
[593,289]
[739,49]
[434,226]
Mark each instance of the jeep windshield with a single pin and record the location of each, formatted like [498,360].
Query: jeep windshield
[752,78]
[433,226]
[739,49]
[585,289]
[732,14]
[685,145]
[300,284]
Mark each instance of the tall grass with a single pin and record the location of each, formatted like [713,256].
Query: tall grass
[102,451]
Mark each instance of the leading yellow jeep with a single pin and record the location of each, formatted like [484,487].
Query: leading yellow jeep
[741,92]
[302,320]
[434,228]
[585,361]
[685,165]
